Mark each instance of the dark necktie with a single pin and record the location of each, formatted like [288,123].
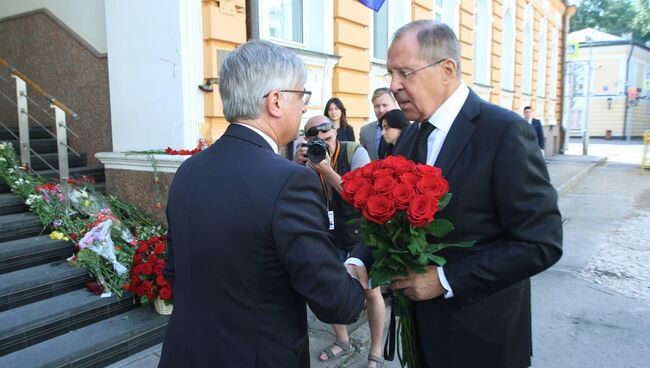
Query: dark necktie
[420,148]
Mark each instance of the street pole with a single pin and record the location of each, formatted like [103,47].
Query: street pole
[585,128]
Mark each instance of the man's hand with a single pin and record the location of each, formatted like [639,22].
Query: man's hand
[419,286]
[358,272]
[301,155]
[324,167]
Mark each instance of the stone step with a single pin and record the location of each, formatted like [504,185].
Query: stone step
[34,133]
[33,323]
[53,160]
[11,203]
[96,345]
[40,145]
[75,172]
[32,284]
[32,251]
[19,225]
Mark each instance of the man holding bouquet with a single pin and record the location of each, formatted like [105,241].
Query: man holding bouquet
[475,310]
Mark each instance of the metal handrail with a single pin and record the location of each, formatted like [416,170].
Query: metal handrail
[38,89]
[32,151]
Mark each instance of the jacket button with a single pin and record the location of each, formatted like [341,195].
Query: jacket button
[356,231]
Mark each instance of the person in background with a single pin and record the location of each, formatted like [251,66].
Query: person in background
[343,157]
[392,124]
[371,137]
[337,113]
[537,125]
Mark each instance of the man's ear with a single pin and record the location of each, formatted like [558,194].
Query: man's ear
[274,103]
[449,70]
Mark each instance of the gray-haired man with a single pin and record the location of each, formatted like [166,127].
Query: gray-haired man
[248,241]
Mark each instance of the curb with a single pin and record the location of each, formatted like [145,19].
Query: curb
[569,184]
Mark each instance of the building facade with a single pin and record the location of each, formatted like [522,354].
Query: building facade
[617,91]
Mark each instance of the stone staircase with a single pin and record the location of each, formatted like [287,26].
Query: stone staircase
[47,317]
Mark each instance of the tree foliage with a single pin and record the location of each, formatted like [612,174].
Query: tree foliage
[615,17]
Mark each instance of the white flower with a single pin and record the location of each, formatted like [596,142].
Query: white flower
[3,159]
[11,170]
[2,146]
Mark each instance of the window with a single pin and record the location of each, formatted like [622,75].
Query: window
[482,41]
[508,56]
[541,66]
[438,10]
[380,33]
[284,19]
[554,60]
[527,77]
[451,14]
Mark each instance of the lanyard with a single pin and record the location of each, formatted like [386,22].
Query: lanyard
[322,178]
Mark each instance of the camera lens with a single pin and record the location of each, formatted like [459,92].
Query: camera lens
[317,150]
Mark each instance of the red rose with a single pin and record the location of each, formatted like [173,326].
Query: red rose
[350,175]
[147,268]
[435,185]
[351,186]
[421,210]
[153,239]
[402,195]
[152,258]
[158,269]
[160,281]
[409,178]
[137,259]
[165,293]
[150,295]
[426,170]
[142,248]
[361,196]
[135,281]
[383,172]
[368,169]
[379,209]
[399,163]
[384,185]
[160,262]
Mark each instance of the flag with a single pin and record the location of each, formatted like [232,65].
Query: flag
[373,4]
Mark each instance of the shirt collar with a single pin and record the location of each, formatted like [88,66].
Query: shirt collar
[268,139]
[447,112]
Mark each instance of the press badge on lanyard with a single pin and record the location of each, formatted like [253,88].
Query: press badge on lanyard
[330,215]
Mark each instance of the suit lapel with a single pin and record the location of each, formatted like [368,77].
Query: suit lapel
[459,135]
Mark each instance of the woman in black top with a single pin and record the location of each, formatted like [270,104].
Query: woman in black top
[336,112]
[392,124]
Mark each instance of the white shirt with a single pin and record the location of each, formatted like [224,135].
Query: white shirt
[442,119]
[268,139]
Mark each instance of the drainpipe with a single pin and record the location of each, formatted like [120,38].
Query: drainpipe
[568,12]
[626,123]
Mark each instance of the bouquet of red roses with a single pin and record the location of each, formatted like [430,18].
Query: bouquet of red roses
[146,273]
[399,200]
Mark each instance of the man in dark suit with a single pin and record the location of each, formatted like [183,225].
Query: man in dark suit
[248,239]
[537,125]
[370,137]
[475,310]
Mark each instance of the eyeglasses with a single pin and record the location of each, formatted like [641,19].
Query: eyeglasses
[304,95]
[406,74]
[322,127]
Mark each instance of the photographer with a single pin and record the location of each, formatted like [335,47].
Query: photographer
[331,159]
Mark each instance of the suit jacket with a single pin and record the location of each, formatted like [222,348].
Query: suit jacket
[248,247]
[368,139]
[537,125]
[503,200]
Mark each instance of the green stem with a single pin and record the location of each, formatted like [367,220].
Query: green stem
[408,353]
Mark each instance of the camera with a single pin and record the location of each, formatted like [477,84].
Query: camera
[316,150]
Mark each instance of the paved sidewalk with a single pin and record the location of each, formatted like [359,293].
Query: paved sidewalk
[565,171]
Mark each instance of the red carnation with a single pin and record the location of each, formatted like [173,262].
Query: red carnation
[152,258]
[160,248]
[142,248]
[135,281]
[379,209]
[137,259]
[147,268]
[165,293]
[150,295]
[421,210]
[402,195]
[158,269]
[160,281]
[154,238]
[384,185]
[435,185]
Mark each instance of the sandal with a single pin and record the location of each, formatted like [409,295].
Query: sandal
[376,361]
[346,349]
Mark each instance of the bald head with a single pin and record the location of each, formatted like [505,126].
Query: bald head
[316,120]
